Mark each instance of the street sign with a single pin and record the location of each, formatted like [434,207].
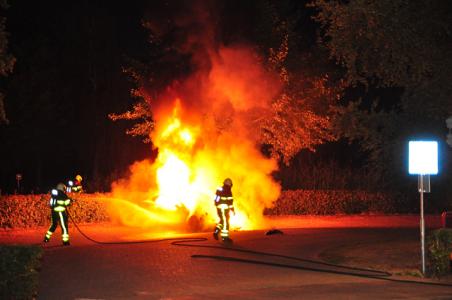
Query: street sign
[423,161]
[423,183]
[423,157]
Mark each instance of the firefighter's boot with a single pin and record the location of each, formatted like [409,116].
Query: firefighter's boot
[47,236]
[227,240]
[66,243]
[215,234]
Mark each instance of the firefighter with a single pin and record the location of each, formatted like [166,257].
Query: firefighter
[224,204]
[59,202]
[75,186]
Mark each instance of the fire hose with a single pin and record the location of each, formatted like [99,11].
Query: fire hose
[186,242]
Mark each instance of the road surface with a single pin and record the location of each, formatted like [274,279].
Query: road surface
[211,270]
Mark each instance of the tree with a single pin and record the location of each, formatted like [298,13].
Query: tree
[302,114]
[299,117]
[399,44]
[6,59]
[164,62]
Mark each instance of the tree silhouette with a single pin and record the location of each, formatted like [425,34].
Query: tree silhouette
[399,45]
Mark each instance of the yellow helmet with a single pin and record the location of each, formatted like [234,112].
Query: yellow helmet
[227,182]
[78,178]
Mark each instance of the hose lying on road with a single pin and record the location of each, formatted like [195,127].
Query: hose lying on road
[357,272]
[195,239]
[185,242]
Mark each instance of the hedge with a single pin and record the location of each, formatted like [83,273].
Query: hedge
[24,211]
[439,252]
[330,202]
[21,211]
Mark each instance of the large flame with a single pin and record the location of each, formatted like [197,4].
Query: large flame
[201,142]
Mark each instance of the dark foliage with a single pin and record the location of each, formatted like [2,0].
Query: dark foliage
[333,202]
[19,271]
[439,252]
[396,62]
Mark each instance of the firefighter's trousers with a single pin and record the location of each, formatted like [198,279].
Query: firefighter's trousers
[223,226]
[61,218]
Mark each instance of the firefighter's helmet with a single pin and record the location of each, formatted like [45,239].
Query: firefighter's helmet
[78,178]
[61,187]
[227,182]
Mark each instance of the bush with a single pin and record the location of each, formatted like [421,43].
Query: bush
[18,271]
[330,202]
[439,249]
[22,211]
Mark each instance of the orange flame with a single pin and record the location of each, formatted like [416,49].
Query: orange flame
[176,191]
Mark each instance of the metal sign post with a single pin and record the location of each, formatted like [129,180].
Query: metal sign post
[18,179]
[423,161]
[422,226]
[423,186]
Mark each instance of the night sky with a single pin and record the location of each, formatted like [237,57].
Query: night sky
[67,78]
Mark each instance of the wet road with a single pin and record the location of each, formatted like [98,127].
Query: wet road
[211,270]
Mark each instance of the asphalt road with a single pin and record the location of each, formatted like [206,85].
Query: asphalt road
[211,270]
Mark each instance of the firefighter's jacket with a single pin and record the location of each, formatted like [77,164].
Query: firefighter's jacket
[74,186]
[224,199]
[59,200]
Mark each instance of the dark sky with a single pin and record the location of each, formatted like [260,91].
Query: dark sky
[67,78]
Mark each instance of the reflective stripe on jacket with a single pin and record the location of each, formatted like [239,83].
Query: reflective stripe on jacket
[59,200]
[224,199]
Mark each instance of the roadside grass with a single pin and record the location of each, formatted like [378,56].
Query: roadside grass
[19,271]
[399,256]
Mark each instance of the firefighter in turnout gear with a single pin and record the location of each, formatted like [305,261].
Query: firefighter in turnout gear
[75,186]
[59,202]
[225,205]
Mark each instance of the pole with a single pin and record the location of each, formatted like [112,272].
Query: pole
[18,178]
[421,190]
